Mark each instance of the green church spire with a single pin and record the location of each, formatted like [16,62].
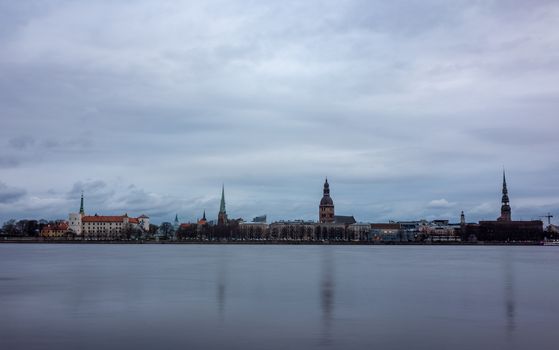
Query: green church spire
[222,205]
[222,216]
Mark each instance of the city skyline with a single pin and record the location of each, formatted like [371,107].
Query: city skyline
[411,109]
[221,217]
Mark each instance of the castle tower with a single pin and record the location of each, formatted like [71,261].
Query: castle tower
[222,216]
[75,219]
[326,208]
[505,207]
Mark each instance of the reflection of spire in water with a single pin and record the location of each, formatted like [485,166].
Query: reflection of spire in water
[327,288]
[510,303]
[327,294]
[221,286]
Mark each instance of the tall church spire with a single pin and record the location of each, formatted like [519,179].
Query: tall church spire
[505,207]
[81,205]
[505,198]
[222,216]
[222,205]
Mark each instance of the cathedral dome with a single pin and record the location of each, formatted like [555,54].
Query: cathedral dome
[326,200]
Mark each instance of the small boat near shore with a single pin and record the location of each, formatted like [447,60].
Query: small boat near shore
[550,243]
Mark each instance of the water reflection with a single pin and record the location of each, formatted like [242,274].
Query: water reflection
[247,297]
[510,302]
[221,284]
[327,289]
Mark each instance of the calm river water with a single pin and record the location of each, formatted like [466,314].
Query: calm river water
[278,297]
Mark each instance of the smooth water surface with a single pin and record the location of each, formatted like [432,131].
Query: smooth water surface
[278,297]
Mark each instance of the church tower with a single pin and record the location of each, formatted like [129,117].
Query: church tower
[176,222]
[203,220]
[222,216]
[326,208]
[82,212]
[505,207]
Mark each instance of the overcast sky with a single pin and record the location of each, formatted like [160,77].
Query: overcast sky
[411,108]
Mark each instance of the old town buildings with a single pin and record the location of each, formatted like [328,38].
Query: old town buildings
[328,227]
[331,227]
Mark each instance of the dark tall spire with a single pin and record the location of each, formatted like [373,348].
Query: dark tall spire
[222,216]
[222,205]
[81,205]
[505,207]
[505,198]
[203,220]
[326,188]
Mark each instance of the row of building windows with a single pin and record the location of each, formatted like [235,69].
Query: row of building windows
[104,223]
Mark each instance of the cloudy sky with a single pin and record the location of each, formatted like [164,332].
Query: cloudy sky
[411,108]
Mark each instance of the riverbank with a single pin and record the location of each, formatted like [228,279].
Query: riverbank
[262,242]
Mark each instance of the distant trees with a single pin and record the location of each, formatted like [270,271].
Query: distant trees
[166,229]
[189,231]
[9,228]
[27,228]
[126,231]
[153,229]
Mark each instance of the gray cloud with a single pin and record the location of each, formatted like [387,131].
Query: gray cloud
[92,187]
[398,103]
[10,194]
[21,142]
[7,161]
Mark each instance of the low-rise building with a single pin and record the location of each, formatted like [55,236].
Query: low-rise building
[56,230]
[504,231]
[386,232]
[359,231]
[440,231]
